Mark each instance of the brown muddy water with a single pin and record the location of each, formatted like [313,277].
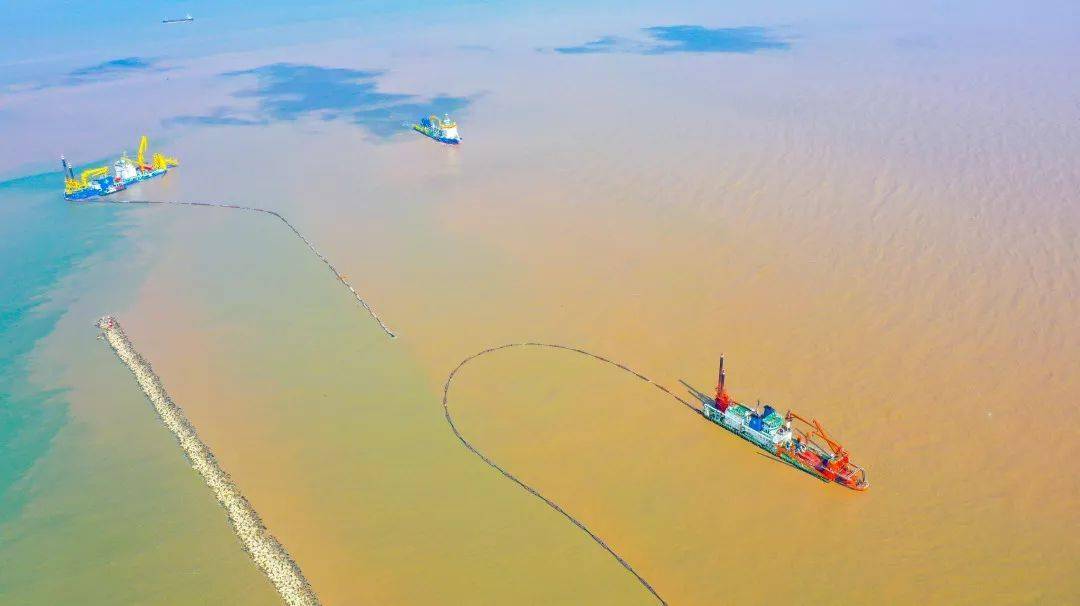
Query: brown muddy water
[882,241]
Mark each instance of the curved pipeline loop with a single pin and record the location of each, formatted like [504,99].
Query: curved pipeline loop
[325,261]
[446,389]
[536,493]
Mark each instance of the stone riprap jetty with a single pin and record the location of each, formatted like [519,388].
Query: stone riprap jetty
[268,553]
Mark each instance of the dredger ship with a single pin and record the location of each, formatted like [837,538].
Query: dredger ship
[96,182]
[443,131]
[791,438]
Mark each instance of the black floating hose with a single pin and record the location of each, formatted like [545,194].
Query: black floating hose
[446,390]
[325,261]
[536,493]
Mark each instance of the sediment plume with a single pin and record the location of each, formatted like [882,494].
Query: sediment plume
[273,213]
[533,491]
[268,553]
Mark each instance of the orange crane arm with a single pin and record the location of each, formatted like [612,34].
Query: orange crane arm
[833,444]
[819,431]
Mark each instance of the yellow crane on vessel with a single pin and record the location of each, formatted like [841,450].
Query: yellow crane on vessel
[140,159]
[74,185]
[161,162]
[158,161]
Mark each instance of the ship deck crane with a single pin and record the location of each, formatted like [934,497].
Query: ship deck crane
[161,161]
[158,161]
[140,158]
[819,431]
[74,185]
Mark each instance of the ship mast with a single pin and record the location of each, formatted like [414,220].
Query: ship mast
[722,398]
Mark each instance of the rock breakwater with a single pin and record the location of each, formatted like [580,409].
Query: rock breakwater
[268,553]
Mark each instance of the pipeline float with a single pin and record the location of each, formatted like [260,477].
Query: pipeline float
[791,439]
[340,276]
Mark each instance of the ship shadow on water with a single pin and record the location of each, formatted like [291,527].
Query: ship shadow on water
[707,400]
[704,399]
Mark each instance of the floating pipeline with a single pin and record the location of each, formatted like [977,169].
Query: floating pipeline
[446,390]
[268,553]
[337,274]
[533,491]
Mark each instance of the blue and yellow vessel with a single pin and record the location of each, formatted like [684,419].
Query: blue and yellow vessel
[443,131]
[96,182]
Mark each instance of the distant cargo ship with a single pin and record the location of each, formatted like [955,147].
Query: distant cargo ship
[96,182]
[185,19]
[443,131]
[791,438]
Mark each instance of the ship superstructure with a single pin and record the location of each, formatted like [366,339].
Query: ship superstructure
[442,130]
[95,182]
[791,438]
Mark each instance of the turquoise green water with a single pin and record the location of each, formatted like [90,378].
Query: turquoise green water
[98,506]
[41,241]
